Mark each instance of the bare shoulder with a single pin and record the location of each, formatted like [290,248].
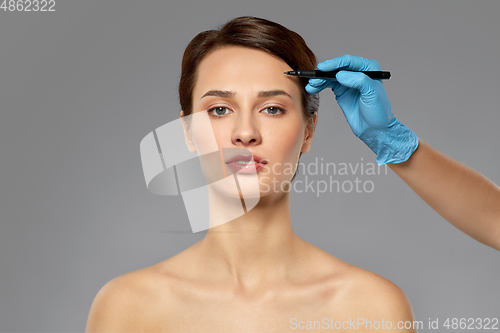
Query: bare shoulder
[126,303]
[355,290]
[378,292]
[139,300]
[374,296]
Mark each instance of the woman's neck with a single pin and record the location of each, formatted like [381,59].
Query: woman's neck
[257,247]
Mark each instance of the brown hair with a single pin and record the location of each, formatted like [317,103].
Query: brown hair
[253,32]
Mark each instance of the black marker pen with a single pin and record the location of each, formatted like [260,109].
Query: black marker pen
[377,75]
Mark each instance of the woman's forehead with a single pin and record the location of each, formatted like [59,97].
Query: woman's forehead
[244,69]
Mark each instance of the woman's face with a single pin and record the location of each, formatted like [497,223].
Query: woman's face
[253,105]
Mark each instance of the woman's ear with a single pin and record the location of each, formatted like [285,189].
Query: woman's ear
[187,134]
[311,124]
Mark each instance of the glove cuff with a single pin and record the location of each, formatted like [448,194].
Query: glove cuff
[393,145]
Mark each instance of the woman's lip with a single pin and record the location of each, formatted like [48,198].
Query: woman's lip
[246,158]
[245,168]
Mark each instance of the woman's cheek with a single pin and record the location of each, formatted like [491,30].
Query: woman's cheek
[222,137]
[293,141]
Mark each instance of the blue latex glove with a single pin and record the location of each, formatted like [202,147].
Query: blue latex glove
[366,108]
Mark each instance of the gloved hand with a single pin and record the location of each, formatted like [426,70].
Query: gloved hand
[366,108]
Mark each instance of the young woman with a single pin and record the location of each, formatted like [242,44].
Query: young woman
[259,276]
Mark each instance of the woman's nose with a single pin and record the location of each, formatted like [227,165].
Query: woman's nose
[246,131]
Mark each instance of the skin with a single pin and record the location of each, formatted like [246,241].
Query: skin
[253,274]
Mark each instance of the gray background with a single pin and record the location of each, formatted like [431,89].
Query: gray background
[80,87]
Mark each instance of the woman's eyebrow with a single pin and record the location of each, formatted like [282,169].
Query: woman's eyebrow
[271,93]
[219,93]
[229,94]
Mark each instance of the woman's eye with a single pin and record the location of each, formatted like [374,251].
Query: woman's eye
[273,110]
[221,111]
[218,111]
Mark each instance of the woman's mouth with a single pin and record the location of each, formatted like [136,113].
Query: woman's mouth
[246,163]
